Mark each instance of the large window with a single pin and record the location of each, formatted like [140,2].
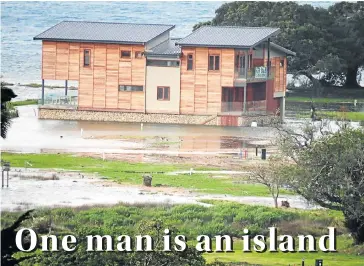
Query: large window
[163,63]
[86,57]
[163,93]
[130,88]
[214,62]
[190,62]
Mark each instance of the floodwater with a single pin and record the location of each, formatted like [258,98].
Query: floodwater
[75,190]
[29,134]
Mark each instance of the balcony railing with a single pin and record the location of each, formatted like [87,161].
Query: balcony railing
[258,73]
[60,101]
[238,107]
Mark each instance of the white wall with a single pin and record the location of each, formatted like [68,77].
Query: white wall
[162,76]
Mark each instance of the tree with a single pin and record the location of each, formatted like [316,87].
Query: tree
[329,170]
[8,246]
[272,175]
[6,96]
[332,37]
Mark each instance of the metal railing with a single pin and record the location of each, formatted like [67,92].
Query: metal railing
[59,100]
[251,106]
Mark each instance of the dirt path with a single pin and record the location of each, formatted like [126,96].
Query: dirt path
[72,189]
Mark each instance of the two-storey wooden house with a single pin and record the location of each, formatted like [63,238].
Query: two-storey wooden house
[138,68]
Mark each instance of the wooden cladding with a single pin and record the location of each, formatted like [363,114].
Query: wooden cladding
[201,88]
[99,70]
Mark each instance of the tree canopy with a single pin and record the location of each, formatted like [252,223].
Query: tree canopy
[328,41]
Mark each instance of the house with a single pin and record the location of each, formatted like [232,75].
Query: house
[137,72]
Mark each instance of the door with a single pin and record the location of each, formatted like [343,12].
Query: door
[227,99]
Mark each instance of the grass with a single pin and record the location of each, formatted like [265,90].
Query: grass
[193,220]
[131,173]
[352,116]
[25,102]
[323,100]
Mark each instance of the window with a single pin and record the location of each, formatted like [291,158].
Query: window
[214,62]
[130,88]
[163,93]
[190,62]
[138,54]
[86,57]
[281,64]
[163,63]
[125,54]
[250,63]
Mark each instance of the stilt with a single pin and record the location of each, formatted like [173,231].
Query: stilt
[42,91]
[283,109]
[268,59]
[65,87]
[246,84]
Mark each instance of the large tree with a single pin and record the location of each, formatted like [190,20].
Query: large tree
[6,96]
[329,170]
[327,41]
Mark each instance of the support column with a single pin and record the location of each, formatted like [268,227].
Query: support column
[246,84]
[268,62]
[65,87]
[282,108]
[42,91]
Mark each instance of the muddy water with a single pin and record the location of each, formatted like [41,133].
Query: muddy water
[29,134]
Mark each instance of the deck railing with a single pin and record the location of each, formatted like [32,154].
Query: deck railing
[238,107]
[258,73]
[59,101]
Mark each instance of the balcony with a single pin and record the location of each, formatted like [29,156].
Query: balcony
[237,108]
[254,74]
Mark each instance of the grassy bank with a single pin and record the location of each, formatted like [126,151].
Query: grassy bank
[25,102]
[352,116]
[193,220]
[131,173]
[323,100]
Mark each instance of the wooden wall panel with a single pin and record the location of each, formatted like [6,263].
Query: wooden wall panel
[74,61]
[49,59]
[62,61]
[124,100]
[187,104]
[214,94]
[86,83]
[227,67]
[137,101]
[112,76]
[201,71]
[138,67]
[99,99]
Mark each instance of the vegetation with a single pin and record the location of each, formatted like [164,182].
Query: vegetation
[329,42]
[191,221]
[131,173]
[24,102]
[329,170]
[322,100]
[6,96]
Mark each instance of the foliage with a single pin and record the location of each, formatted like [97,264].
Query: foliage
[6,96]
[272,175]
[329,40]
[329,170]
[8,246]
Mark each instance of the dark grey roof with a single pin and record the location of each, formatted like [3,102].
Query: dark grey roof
[81,31]
[228,36]
[165,49]
[282,49]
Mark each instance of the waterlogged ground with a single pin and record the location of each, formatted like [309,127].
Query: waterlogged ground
[33,188]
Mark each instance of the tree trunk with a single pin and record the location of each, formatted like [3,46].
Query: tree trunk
[351,74]
[356,228]
[275,202]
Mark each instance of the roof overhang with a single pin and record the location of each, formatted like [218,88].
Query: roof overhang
[86,41]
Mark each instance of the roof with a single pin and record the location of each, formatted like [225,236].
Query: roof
[282,49]
[167,48]
[228,36]
[104,32]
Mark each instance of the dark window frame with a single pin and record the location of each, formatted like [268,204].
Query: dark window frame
[162,63]
[164,88]
[190,61]
[281,63]
[131,89]
[89,57]
[125,57]
[216,58]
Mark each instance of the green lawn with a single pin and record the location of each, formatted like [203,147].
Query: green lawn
[131,173]
[353,116]
[323,100]
[25,102]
